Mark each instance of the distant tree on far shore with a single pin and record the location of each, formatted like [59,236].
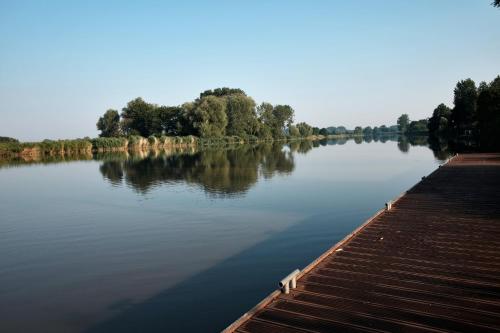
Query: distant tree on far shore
[323,131]
[403,122]
[304,129]
[496,3]
[367,131]
[440,121]
[293,130]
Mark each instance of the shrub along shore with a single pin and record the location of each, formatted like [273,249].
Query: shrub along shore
[14,149]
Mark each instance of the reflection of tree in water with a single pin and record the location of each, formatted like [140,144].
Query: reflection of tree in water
[220,172]
[301,146]
[112,171]
[403,144]
[440,147]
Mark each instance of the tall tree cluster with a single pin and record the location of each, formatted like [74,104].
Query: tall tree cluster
[216,113]
[476,114]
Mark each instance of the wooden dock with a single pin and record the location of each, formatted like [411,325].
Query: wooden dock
[431,263]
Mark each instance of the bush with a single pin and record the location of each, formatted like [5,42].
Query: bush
[8,140]
[134,139]
[109,143]
[152,140]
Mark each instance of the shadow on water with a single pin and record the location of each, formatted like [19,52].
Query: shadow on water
[212,299]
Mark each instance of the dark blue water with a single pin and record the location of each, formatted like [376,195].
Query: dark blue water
[180,242]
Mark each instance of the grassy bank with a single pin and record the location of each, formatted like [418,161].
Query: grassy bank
[97,145]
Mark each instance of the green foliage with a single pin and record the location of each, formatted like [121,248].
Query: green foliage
[439,123]
[339,130]
[464,112]
[475,117]
[46,147]
[209,117]
[282,116]
[488,114]
[152,140]
[135,140]
[61,146]
[403,122]
[274,119]
[171,120]
[109,124]
[6,139]
[138,118]
[241,115]
[323,131]
[109,143]
[418,127]
[216,113]
[367,131]
[293,131]
[358,130]
[222,92]
[305,129]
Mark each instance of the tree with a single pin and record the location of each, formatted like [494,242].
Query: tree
[418,127]
[274,119]
[221,92]
[208,116]
[403,122]
[439,123]
[266,120]
[340,130]
[488,114]
[358,130]
[367,131]
[464,113]
[315,130]
[172,120]
[109,124]
[138,118]
[496,3]
[323,132]
[283,116]
[293,131]
[241,115]
[8,139]
[304,129]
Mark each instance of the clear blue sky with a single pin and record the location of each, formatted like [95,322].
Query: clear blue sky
[63,63]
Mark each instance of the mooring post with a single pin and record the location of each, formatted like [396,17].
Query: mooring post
[388,205]
[290,281]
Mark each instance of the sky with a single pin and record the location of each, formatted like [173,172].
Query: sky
[64,63]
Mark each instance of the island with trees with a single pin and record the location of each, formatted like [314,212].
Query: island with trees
[225,116]
[217,117]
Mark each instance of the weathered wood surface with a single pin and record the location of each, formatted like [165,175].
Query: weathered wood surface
[430,264]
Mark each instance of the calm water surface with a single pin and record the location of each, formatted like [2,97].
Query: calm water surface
[182,242]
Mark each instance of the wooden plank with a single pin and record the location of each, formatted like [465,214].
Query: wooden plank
[429,264]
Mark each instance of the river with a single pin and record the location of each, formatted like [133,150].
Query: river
[183,241]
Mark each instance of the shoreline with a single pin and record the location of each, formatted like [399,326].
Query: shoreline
[87,146]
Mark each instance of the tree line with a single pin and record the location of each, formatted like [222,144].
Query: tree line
[475,115]
[412,127]
[218,113]
[215,113]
